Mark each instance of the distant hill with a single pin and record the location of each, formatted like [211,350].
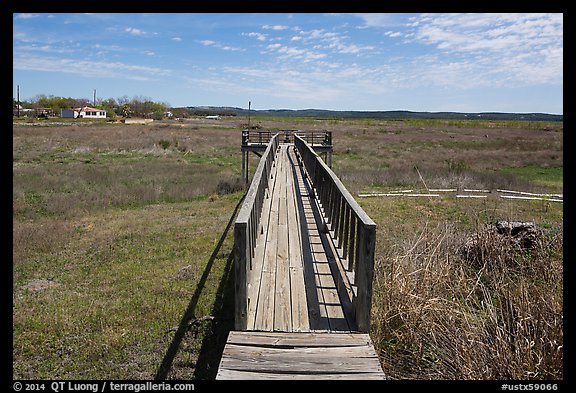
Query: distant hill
[390,115]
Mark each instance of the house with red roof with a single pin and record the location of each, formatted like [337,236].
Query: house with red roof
[85,112]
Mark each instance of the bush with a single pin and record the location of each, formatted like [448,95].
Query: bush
[229,186]
[164,144]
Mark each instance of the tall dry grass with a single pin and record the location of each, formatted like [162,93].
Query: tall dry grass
[444,310]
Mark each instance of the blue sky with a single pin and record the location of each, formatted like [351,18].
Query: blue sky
[420,62]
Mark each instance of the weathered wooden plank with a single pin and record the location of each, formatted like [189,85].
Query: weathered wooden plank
[300,321]
[255,275]
[225,374]
[322,321]
[312,302]
[274,355]
[264,318]
[326,284]
[282,302]
[301,360]
[309,339]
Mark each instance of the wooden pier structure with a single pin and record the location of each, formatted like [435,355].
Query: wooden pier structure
[304,262]
[256,141]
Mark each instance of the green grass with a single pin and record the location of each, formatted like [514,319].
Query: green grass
[124,231]
[544,176]
[124,278]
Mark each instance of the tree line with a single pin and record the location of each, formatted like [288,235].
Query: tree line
[119,107]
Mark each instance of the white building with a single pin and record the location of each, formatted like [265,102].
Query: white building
[85,112]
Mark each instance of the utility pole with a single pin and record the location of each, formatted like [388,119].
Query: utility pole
[18,99]
[94,98]
[249,114]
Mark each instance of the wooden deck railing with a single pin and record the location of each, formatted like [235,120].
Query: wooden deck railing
[246,230]
[314,138]
[353,230]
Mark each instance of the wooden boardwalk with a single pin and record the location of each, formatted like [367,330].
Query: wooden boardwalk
[275,355]
[299,319]
[291,287]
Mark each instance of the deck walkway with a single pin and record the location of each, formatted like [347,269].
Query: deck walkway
[300,323]
[275,355]
[291,288]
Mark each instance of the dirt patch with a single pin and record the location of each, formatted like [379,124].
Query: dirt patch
[40,284]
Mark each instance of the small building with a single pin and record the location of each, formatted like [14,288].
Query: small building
[85,112]
[19,110]
[44,112]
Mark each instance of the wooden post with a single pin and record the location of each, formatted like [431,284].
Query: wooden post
[244,167]
[247,166]
[364,276]
[241,256]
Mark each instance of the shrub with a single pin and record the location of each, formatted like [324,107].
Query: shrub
[229,186]
[164,144]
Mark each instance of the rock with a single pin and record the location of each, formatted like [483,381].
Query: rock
[525,234]
[500,237]
[514,227]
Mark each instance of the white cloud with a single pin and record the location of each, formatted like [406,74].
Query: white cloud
[485,50]
[42,48]
[258,36]
[377,20]
[275,27]
[349,48]
[292,53]
[497,33]
[134,31]
[230,48]
[177,39]
[26,16]
[280,82]
[320,38]
[219,45]
[393,34]
[88,68]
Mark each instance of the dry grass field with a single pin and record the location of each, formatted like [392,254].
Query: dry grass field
[120,234]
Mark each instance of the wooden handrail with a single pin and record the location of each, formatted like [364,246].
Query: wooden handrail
[353,230]
[246,230]
[313,137]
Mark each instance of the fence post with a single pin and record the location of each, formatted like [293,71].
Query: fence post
[240,276]
[364,275]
